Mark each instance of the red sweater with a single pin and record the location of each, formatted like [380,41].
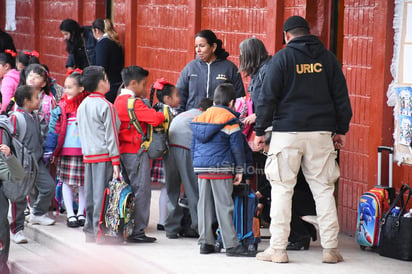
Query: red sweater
[130,139]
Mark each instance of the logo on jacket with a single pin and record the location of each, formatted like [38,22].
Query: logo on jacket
[221,77]
[308,68]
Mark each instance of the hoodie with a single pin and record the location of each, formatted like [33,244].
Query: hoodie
[9,85]
[305,90]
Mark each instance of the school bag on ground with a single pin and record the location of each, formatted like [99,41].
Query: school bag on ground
[155,142]
[372,205]
[117,216]
[244,218]
[16,190]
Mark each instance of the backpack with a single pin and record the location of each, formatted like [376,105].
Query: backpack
[117,216]
[17,190]
[155,142]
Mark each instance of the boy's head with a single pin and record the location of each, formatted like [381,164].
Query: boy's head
[94,79]
[135,79]
[225,95]
[205,104]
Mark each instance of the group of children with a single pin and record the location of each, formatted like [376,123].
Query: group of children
[86,137]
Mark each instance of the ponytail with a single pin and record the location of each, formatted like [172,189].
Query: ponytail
[10,105]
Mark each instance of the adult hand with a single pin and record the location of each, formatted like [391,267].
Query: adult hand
[6,150]
[116,172]
[259,142]
[250,119]
[258,194]
[238,179]
[339,141]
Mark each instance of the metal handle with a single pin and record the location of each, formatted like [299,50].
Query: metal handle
[380,149]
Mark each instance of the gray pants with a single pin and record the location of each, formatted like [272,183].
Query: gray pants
[215,196]
[138,171]
[45,187]
[96,179]
[179,169]
[4,232]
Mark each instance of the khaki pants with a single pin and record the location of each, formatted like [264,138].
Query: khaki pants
[314,151]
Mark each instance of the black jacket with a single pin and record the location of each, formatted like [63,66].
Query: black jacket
[305,90]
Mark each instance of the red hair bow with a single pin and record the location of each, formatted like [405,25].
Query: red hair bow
[70,71]
[160,83]
[11,52]
[31,53]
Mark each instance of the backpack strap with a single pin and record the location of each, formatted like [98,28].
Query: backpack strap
[21,121]
[146,139]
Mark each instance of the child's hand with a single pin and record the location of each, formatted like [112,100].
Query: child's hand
[116,172]
[5,149]
[238,179]
[250,119]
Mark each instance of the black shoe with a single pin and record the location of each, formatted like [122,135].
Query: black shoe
[207,249]
[172,236]
[160,227]
[81,220]
[189,233]
[299,245]
[238,251]
[141,239]
[72,221]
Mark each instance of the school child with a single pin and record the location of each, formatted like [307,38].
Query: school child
[134,158]
[37,76]
[218,155]
[98,128]
[166,94]
[25,58]
[9,76]
[63,144]
[179,170]
[27,100]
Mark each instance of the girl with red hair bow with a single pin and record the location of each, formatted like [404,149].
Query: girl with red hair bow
[27,57]
[9,76]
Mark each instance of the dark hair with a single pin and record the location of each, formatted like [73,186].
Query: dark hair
[76,39]
[98,24]
[133,73]
[205,104]
[252,53]
[40,70]
[77,77]
[6,58]
[91,76]
[224,93]
[161,93]
[211,39]
[22,92]
[299,31]
[26,57]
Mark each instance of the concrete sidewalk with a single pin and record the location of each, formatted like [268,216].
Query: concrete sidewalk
[59,249]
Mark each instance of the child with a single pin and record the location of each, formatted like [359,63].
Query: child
[9,76]
[179,169]
[63,141]
[25,58]
[134,158]
[27,100]
[15,171]
[218,153]
[37,76]
[98,128]
[166,94]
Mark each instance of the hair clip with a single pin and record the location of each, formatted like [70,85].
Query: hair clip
[160,83]
[13,99]
[11,52]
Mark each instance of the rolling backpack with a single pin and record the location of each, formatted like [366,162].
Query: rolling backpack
[17,190]
[155,142]
[372,205]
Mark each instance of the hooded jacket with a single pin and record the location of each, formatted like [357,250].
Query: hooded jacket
[217,144]
[199,80]
[305,90]
[9,85]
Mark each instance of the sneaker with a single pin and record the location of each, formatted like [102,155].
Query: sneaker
[183,202]
[273,255]
[331,256]
[207,249]
[19,237]
[41,220]
[238,251]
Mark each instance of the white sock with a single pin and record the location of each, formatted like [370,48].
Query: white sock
[163,205]
[82,202]
[67,192]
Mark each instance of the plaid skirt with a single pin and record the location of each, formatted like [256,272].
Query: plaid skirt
[70,170]
[157,173]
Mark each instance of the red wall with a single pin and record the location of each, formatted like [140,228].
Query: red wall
[159,35]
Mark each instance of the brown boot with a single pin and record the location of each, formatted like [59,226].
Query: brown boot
[331,256]
[273,255]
